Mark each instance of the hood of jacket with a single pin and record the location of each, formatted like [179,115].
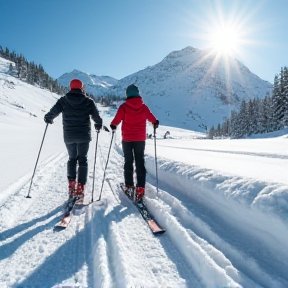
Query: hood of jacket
[135,103]
[75,97]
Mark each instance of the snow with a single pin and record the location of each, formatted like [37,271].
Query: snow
[223,203]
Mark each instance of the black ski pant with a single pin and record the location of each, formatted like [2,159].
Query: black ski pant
[134,150]
[77,155]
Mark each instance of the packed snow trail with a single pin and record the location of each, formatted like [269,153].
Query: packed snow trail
[110,233]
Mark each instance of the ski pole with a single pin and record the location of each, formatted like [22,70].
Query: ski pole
[113,132]
[156,161]
[28,196]
[94,164]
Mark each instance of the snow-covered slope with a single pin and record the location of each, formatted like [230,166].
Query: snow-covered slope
[95,85]
[22,109]
[192,89]
[223,204]
[20,100]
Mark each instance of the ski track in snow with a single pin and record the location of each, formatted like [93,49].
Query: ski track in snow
[99,246]
[266,155]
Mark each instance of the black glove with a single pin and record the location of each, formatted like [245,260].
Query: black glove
[113,127]
[156,124]
[48,120]
[98,126]
[106,129]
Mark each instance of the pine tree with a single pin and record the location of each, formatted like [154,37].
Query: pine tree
[233,124]
[265,115]
[243,120]
[211,133]
[226,128]
[250,118]
[276,103]
[285,96]
[256,115]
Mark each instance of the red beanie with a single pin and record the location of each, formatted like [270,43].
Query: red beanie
[76,84]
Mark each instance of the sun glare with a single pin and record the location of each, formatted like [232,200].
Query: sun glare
[224,32]
[225,40]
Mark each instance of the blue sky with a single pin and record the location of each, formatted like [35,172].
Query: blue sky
[120,37]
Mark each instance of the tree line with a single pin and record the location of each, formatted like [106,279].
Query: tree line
[30,72]
[258,115]
[109,100]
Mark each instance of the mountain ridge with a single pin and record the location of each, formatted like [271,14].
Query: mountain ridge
[199,84]
[95,85]
[204,88]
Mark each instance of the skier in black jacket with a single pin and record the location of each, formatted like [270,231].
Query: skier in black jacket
[76,110]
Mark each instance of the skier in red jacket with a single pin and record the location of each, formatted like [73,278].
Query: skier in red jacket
[134,113]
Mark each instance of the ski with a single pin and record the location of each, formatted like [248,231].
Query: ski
[80,203]
[72,204]
[153,225]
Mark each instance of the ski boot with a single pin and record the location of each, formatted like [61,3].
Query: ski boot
[129,191]
[79,193]
[140,191]
[71,188]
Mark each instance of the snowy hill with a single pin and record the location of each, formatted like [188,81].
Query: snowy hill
[223,203]
[95,85]
[191,89]
[14,100]
[22,108]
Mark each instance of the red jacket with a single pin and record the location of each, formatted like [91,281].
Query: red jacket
[134,114]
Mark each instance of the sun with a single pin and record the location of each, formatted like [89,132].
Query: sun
[225,40]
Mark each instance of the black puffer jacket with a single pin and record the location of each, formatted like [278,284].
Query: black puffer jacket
[76,110]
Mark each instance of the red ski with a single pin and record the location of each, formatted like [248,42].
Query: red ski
[72,204]
[153,225]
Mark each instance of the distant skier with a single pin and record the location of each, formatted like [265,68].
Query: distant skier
[133,113]
[76,110]
[166,135]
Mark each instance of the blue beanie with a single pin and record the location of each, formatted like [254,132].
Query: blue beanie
[132,90]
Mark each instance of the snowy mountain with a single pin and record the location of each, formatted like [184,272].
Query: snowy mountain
[192,89]
[95,85]
[192,83]
[223,203]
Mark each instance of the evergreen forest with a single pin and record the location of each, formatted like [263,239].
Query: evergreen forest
[258,115]
[30,72]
